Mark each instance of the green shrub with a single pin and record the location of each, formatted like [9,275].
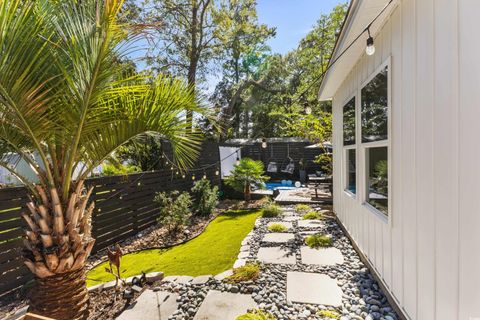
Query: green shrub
[318,241]
[174,209]
[248,272]
[302,208]
[271,210]
[313,215]
[256,315]
[277,227]
[205,197]
[109,169]
[329,314]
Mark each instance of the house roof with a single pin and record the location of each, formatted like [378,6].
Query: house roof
[360,14]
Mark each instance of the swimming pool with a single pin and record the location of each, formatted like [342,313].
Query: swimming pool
[286,185]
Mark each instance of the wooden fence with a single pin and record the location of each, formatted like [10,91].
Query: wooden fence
[123,207]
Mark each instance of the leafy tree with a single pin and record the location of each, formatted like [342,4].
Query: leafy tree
[247,173]
[66,96]
[144,152]
[205,197]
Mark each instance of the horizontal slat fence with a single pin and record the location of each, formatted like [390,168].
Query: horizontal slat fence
[123,207]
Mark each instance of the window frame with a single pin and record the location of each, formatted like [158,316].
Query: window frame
[350,147]
[363,146]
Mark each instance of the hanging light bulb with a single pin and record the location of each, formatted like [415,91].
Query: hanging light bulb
[264,143]
[238,159]
[370,49]
[204,176]
[193,177]
[217,172]
[183,175]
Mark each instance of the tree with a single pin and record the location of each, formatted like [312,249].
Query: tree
[247,173]
[243,45]
[186,41]
[66,98]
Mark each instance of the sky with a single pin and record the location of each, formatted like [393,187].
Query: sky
[293,19]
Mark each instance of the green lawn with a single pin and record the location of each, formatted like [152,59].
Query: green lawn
[212,252]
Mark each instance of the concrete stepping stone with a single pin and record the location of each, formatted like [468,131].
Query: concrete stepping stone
[201,279]
[286,224]
[152,306]
[314,288]
[246,241]
[310,224]
[224,306]
[291,218]
[278,237]
[276,255]
[321,256]
[223,275]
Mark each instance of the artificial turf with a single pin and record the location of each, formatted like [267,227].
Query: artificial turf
[212,252]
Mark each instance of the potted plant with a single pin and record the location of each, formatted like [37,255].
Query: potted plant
[246,174]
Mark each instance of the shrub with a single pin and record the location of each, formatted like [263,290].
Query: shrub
[277,227]
[302,208]
[318,241]
[313,215]
[248,272]
[330,314]
[246,174]
[109,169]
[205,197]
[256,315]
[174,209]
[271,210]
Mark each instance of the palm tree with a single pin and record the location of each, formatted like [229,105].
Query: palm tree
[66,104]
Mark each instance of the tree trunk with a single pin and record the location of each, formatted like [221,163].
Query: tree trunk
[247,193]
[193,57]
[63,296]
[58,242]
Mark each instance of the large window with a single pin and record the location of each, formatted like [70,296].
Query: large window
[351,171]
[377,178]
[349,125]
[375,108]
[374,128]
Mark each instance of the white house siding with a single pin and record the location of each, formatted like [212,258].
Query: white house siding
[429,253]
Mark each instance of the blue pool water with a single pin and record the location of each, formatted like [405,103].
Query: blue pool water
[278,185]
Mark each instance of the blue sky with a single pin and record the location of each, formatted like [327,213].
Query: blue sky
[293,19]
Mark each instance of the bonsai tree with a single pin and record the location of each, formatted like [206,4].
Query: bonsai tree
[67,102]
[246,174]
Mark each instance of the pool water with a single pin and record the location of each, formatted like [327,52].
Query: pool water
[288,185]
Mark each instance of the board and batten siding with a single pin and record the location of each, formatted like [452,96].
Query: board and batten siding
[428,253]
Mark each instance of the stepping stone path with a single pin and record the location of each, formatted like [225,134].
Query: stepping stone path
[224,306]
[151,305]
[276,255]
[278,237]
[296,282]
[321,256]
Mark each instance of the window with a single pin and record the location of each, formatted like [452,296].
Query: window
[351,171]
[349,125]
[377,178]
[374,132]
[375,108]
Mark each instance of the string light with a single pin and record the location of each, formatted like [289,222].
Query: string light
[217,172]
[204,175]
[370,49]
[183,175]
[238,159]
[264,143]
[193,177]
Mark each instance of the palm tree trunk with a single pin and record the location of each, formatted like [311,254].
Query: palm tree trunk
[63,296]
[247,192]
[58,242]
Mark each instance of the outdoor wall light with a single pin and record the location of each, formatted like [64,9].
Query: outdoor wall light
[370,49]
